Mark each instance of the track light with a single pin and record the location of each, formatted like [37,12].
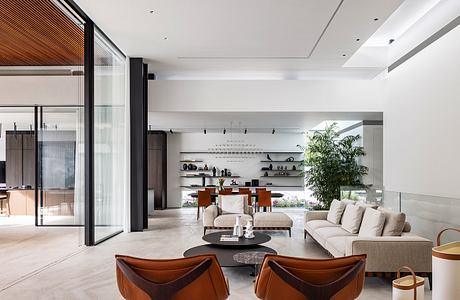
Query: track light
[225,131]
[273,131]
[245,131]
[171,131]
[204,131]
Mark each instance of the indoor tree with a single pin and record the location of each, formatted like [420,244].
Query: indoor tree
[332,162]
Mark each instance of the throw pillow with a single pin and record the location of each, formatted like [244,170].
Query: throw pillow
[351,219]
[372,224]
[394,222]
[335,212]
[231,204]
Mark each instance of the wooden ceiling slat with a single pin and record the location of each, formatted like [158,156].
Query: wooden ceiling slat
[37,33]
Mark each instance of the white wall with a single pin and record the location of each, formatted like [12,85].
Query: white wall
[266,95]
[247,169]
[422,122]
[42,90]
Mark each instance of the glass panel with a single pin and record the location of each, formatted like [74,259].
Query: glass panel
[110,172]
[61,162]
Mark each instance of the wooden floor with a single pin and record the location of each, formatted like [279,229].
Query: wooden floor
[48,263]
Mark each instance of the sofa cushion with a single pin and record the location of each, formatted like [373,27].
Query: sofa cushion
[394,222]
[232,204]
[351,218]
[336,245]
[272,219]
[372,224]
[335,212]
[315,224]
[229,220]
[328,232]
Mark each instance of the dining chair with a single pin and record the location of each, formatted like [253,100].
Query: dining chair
[204,200]
[212,190]
[295,278]
[191,278]
[264,199]
[260,189]
[5,203]
[246,191]
[226,191]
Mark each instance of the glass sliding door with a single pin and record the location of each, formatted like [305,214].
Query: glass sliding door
[61,166]
[110,172]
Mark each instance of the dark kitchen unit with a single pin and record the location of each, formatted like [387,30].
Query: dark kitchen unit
[157,160]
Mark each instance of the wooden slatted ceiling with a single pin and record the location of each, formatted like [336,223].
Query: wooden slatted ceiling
[37,33]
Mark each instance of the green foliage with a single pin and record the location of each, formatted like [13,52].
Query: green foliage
[331,162]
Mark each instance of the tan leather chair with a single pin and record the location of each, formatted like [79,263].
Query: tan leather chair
[204,200]
[283,277]
[192,278]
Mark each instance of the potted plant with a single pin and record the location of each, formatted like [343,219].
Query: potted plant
[221,182]
[331,162]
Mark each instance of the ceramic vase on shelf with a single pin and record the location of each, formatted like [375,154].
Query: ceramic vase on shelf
[238,229]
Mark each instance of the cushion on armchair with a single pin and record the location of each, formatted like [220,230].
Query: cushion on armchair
[351,219]
[233,204]
[372,224]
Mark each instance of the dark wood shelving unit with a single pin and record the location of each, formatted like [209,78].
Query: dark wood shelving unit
[238,186]
[192,161]
[275,170]
[282,176]
[263,152]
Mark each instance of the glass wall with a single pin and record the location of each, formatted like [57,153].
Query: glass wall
[110,172]
[61,166]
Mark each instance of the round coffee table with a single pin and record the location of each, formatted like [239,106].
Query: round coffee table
[225,251]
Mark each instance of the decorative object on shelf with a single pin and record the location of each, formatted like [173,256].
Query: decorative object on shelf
[285,167]
[238,229]
[200,169]
[185,167]
[222,173]
[206,167]
[195,167]
[265,169]
[270,167]
[278,167]
[269,184]
[225,172]
[234,182]
[247,183]
[268,157]
[410,287]
[255,182]
[294,168]
[229,173]
[190,167]
[290,159]
[266,174]
[249,230]
[446,268]
[214,171]
[221,182]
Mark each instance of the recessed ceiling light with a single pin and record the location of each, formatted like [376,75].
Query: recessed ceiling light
[151,11]
[358,40]
[344,55]
[165,38]
[376,19]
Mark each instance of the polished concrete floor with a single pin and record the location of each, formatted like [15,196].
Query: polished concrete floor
[48,263]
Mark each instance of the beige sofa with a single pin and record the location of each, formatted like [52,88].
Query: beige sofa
[214,218]
[385,254]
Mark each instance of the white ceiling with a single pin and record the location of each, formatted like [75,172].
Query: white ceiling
[282,122]
[258,39]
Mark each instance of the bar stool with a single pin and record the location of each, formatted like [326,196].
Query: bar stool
[5,201]
[265,200]
[204,200]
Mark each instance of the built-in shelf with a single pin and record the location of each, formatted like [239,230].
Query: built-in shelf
[276,170]
[208,176]
[283,176]
[195,171]
[281,161]
[264,152]
[192,160]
